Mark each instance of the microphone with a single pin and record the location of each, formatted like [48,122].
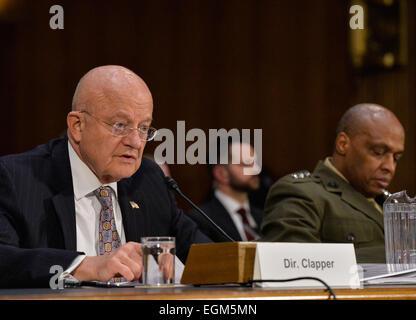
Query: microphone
[173,185]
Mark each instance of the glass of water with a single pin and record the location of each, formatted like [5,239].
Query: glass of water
[158,260]
[400,231]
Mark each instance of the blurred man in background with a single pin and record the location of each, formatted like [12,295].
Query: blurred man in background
[229,206]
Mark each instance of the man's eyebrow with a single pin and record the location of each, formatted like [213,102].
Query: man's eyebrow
[379,145]
[385,147]
[150,119]
[121,114]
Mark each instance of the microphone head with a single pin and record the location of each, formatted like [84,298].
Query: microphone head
[171,183]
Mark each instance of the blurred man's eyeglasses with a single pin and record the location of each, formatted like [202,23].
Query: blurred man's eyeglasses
[120,129]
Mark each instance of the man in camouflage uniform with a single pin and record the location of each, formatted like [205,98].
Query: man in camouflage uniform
[340,202]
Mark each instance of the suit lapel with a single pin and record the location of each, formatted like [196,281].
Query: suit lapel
[63,200]
[335,184]
[360,203]
[65,209]
[131,215]
[222,217]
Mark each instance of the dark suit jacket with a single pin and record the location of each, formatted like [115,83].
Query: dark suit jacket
[37,213]
[217,212]
[323,207]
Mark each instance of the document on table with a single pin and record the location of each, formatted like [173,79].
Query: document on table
[377,273]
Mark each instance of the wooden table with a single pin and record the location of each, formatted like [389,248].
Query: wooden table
[209,293]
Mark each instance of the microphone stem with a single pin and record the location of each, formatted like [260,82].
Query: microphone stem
[203,214]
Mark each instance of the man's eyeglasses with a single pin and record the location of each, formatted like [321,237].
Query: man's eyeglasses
[120,129]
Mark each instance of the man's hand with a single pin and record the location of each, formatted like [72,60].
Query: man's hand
[166,264]
[125,261]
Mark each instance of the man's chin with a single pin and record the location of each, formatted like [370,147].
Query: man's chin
[245,188]
[374,192]
[123,174]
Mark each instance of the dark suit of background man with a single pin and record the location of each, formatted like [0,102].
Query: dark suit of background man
[338,201]
[229,206]
[83,202]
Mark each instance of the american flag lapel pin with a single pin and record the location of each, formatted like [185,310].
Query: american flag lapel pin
[134,205]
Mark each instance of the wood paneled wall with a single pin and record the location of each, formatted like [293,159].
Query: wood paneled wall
[278,65]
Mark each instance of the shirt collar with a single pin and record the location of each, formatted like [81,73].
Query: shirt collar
[229,203]
[83,179]
[329,164]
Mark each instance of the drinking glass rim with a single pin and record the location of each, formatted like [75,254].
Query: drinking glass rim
[157,238]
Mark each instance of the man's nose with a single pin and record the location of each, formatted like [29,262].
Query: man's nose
[389,164]
[133,140]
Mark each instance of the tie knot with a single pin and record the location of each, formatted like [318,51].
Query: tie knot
[242,212]
[104,196]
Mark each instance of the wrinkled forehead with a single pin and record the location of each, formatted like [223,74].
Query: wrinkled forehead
[129,104]
[386,130]
[116,97]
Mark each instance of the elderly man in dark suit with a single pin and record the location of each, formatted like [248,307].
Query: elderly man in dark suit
[83,202]
[341,200]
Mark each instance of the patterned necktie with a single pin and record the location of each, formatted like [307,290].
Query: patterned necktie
[109,239]
[250,233]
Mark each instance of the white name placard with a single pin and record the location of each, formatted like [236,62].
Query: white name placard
[333,263]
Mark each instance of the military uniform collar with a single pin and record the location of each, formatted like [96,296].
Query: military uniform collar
[331,180]
[329,164]
[334,183]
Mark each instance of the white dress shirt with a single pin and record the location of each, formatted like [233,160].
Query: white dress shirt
[232,206]
[88,208]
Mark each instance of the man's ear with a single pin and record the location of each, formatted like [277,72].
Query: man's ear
[75,125]
[342,143]
[220,174]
